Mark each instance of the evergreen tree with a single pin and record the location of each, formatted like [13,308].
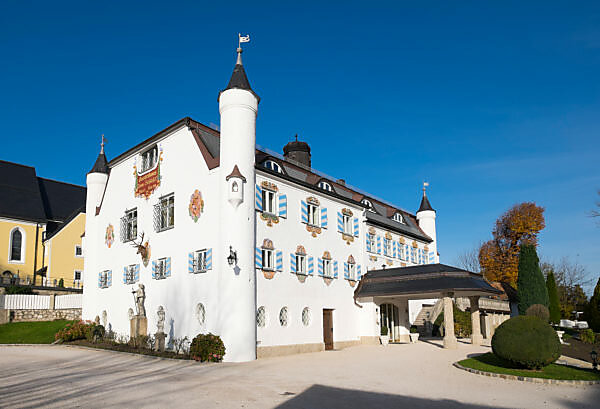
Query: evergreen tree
[554,306]
[592,311]
[531,285]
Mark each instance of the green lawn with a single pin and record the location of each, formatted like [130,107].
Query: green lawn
[30,332]
[490,363]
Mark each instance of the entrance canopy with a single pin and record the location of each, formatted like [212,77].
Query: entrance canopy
[423,281]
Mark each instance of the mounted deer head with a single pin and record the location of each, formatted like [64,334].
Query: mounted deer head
[141,248]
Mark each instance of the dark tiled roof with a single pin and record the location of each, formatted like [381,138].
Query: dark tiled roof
[25,196]
[52,228]
[422,279]
[101,164]
[425,204]
[410,228]
[238,79]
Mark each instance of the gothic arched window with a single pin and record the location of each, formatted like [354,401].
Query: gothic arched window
[16,245]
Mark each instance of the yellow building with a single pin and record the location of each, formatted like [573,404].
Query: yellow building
[41,225]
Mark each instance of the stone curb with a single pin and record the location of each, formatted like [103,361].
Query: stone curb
[526,378]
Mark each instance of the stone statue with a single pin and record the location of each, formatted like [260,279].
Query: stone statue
[130,313]
[160,326]
[97,320]
[139,296]
[104,318]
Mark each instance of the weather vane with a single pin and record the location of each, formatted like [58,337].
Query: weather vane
[242,39]
[102,144]
[425,184]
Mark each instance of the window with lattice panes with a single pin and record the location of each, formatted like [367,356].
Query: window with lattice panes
[199,261]
[261,317]
[347,223]
[104,279]
[327,270]
[201,313]
[130,274]
[352,271]
[283,317]
[372,245]
[129,225]
[164,213]
[149,159]
[161,268]
[306,316]
[387,247]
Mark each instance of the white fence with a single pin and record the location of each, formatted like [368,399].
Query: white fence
[39,302]
[25,302]
[62,302]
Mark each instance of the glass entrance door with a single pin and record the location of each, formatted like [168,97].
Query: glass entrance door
[389,318]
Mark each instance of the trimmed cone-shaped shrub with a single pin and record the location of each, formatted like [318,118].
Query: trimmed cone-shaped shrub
[531,287]
[553,303]
[526,342]
[592,311]
[538,310]
[207,347]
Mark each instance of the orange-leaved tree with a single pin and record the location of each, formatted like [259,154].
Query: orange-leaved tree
[499,257]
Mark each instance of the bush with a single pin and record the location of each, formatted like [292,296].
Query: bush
[207,347]
[587,336]
[540,311]
[526,341]
[384,330]
[61,283]
[76,330]
[95,333]
[19,289]
[592,310]
[553,302]
[531,287]
[413,329]
[566,337]
[462,323]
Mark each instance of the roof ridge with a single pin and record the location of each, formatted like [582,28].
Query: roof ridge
[62,183]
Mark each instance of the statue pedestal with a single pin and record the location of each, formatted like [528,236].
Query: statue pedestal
[138,326]
[160,341]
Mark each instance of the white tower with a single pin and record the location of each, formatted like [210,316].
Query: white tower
[238,106]
[96,183]
[426,219]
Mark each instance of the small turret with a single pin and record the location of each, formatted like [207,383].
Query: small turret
[298,152]
[426,218]
[96,182]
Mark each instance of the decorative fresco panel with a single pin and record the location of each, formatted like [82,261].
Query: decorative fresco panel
[147,182]
[196,206]
[109,236]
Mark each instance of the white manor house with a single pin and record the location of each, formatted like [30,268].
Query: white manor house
[258,248]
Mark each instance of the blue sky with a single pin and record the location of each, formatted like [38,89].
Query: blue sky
[492,103]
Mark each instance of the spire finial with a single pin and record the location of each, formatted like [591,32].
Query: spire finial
[425,184]
[241,39]
[296,137]
[102,144]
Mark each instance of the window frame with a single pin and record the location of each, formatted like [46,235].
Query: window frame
[161,264]
[327,268]
[347,224]
[268,258]
[398,217]
[165,210]
[272,165]
[316,214]
[352,272]
[266,195]
[131,223]
[104,279]
[145,157]
[75,279]
[368,204]
[373,242]
[326,186]
[301,267]
[80,247]
[130,276]
[197,261]
[387,247]
[22,254]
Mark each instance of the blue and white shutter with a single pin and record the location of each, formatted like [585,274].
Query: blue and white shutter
[109,278]
[258,258]
[311,265]
[358,272]
[279,260]
[431,257]
[346,274]
[378,244]
[368,242]
[136,274]
[168,267]
[153,268]
[258,199]
[125,275]
[324,217]
[209,259]
[340,222]
[385,247]
[283,206]
[406,252]
[335,269]
[99,280]
[190,262]
[356,227]
[320,266]
[293,263]
[393,249]
[304,211]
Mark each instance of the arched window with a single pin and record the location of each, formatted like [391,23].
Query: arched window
[368,204]
[325,186]
[234,187]
[269,164]
[16,245]
[398,218]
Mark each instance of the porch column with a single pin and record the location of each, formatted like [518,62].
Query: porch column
[449,338]
[476,337]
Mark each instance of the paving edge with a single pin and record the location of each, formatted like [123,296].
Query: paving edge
[527,378]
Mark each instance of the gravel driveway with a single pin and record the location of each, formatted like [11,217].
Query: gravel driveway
[397,376]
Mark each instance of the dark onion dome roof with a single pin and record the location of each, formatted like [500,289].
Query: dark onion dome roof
[296,146]
[101,165]
[238,79]
[425,205]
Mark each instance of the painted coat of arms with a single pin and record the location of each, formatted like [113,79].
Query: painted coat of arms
[109,236]
[196,206]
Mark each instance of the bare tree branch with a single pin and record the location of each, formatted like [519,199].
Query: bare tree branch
[469,259]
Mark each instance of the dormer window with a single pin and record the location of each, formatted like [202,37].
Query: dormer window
[368,204]
[274,166]
[149,159]
[325,186]
[398,218]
